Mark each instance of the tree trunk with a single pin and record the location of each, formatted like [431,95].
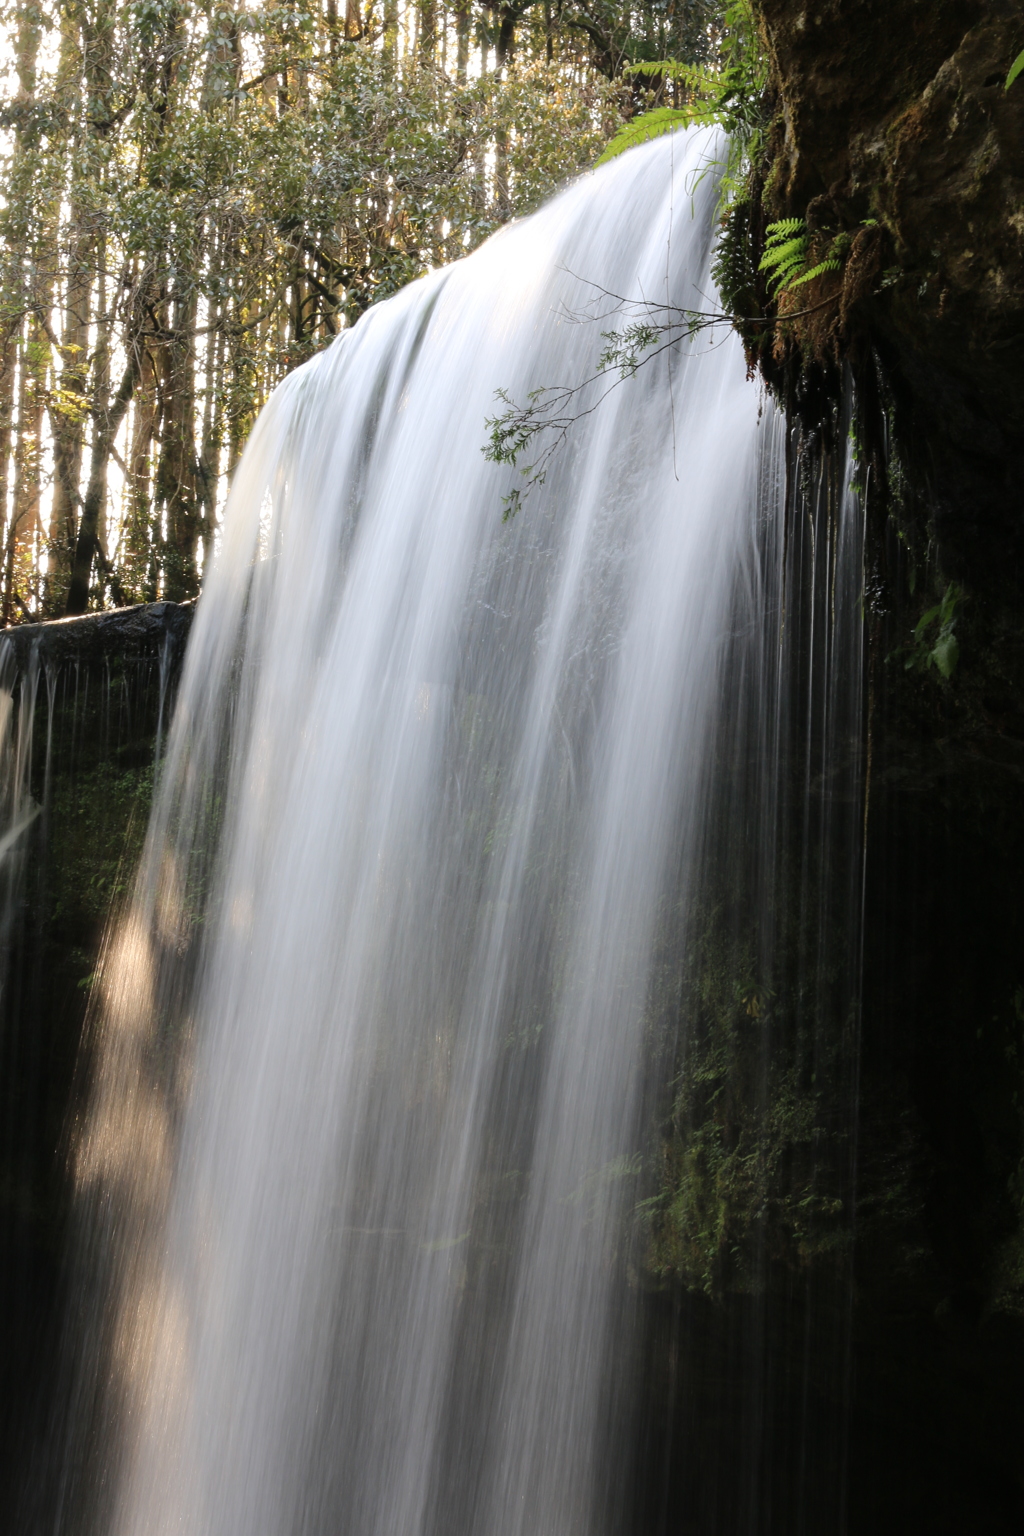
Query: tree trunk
[427,17]
[462,33]
[24,531]
[391,32]
[176,489]
[139,559]
[93,506]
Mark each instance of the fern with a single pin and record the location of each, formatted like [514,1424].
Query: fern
[649,125]
[696,76]
[830,264]
[733,268]
[731,96]
[785,253]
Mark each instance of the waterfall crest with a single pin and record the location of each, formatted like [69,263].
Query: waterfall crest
[367,1132]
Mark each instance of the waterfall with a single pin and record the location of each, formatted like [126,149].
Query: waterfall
[382,1033]
[17,808]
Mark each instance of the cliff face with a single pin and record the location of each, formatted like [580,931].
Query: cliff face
[91,698]
[896,111]
[877,1386]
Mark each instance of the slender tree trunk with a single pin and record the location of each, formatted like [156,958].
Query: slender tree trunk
[209,458]
[8,369]
[462,36]
[427,17]
[503,54]
[25,528]
[176,489]
[25,352]
[140,560]
[94,504]
[480,149]
[67,417]
[223,59]
[333,30]
[391,32]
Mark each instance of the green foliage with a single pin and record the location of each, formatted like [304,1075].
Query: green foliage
[99,822]
[556,411]
[786,250]
[624,350]
[648,125]
[934,643]
[194,200]
[1015,69]
[754,1156]
[727,92]
[734,265]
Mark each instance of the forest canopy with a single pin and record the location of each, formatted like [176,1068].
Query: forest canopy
[195,198]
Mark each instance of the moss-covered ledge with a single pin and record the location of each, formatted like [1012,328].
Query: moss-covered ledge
[124,632]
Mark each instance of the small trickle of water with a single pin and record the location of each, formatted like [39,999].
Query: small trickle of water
[18,810]
[365,1135]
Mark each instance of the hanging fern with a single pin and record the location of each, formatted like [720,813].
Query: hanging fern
[697,76]
[830,264]
[785,253]
[648,125]
[730,96]
[734,266]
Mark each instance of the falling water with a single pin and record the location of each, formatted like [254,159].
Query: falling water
[78,707]
[374,1068]
[19,814]
[18,810]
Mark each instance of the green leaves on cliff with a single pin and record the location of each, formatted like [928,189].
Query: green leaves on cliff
[755,1150]
[934,643]
[1015,69]
[785,253]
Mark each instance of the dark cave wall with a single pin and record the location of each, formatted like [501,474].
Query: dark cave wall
[111,679]
[884,1391]
[898,112]
[821,1357]
[895,111]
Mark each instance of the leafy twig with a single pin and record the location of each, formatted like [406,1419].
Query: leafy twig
[552,408]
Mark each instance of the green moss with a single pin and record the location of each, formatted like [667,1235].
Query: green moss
[754,1162]
[97,826]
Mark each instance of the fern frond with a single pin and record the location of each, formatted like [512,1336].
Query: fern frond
[783,228]
[793,252]
[649,125]
[693,75]
[785,252]
[830,264]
